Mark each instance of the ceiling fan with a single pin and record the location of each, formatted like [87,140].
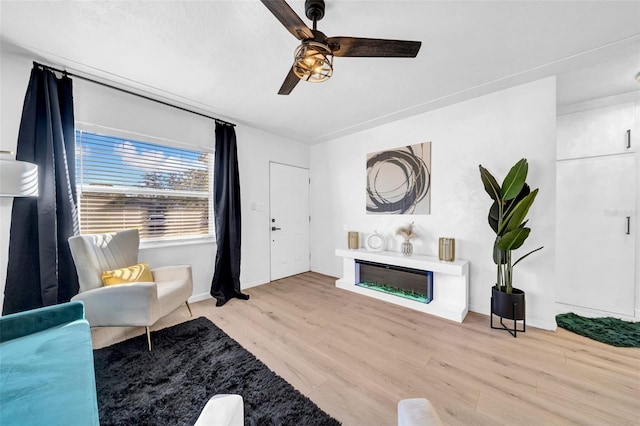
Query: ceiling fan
[314,57]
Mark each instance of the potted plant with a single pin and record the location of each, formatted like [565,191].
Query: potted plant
[511,203]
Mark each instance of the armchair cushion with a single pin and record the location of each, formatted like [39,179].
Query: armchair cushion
[93,254]
[138,273]
[133,304]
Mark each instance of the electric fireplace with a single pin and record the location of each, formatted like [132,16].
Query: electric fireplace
[412,284]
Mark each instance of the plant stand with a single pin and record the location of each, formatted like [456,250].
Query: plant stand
[513,331]
[510,306]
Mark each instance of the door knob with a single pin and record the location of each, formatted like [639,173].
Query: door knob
[273,228]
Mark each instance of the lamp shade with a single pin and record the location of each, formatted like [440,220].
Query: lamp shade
[18,179]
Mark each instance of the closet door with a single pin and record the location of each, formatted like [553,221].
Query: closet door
[595,231]
[600,131]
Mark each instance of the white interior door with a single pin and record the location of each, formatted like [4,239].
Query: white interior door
[595,233]
[289,221]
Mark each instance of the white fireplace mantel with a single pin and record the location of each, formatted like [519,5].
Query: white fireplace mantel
[450,281]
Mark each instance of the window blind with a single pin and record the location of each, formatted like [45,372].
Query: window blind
[162,191]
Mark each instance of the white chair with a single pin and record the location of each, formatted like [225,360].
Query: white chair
[417,412]
[138,304]
[222,410]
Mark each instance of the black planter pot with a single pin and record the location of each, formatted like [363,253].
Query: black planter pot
[510,306]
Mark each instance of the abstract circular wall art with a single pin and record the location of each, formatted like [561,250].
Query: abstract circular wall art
[399,180]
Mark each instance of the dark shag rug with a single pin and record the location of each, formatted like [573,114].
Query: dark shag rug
[612,331]
[190,363]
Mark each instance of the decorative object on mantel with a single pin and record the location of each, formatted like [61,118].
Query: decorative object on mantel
[447,249]
[407,233]
[374,242]
[354,240]
[399,180]
[511,203]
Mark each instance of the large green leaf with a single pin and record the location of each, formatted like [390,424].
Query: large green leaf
[513,183]
[513,239]
[509,206]
[490,184]
[494,212]
[517,215]
[531,252]
[503,254]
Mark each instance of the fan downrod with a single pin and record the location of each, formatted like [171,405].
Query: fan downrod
[314,9]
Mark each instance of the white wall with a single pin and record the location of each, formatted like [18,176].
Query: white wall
[494,130]
[112,109]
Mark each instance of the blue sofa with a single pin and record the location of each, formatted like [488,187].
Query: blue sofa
[46,368]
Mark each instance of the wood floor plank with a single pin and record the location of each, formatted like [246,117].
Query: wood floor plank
[356,357]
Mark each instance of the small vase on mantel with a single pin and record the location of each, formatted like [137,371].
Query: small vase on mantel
[408,233]
[407,248]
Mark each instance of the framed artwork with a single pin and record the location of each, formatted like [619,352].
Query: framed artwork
[399,180]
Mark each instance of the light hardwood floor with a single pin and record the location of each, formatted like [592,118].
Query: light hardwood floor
[356,357]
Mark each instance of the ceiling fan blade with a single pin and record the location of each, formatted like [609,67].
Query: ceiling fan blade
[289,83]
[373,47]
[288,18]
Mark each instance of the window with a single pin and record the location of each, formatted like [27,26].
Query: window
[122,183]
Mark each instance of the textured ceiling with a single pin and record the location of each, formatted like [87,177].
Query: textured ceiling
[229,58]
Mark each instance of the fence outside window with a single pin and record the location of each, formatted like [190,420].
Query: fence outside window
[161,190]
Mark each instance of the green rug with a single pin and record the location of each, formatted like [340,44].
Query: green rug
[612,331]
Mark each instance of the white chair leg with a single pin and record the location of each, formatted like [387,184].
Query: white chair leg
[189,308]
[149,337]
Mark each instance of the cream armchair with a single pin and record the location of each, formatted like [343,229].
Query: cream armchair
[138,304]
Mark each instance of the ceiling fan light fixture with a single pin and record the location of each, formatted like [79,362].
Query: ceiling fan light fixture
[313,62]
[313,59]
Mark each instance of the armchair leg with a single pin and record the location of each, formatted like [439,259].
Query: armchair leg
[149,337]
[189,307]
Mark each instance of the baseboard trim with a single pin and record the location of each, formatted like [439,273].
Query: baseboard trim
[199,297]
[255,283]
[323,272]
[480,309]
[533,322]
[542,324]
[204,296]
[562,308]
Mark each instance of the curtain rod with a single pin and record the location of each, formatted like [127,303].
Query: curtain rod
[64,72]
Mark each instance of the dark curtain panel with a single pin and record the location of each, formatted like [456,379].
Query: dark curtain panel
[226,207]
[40,271]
